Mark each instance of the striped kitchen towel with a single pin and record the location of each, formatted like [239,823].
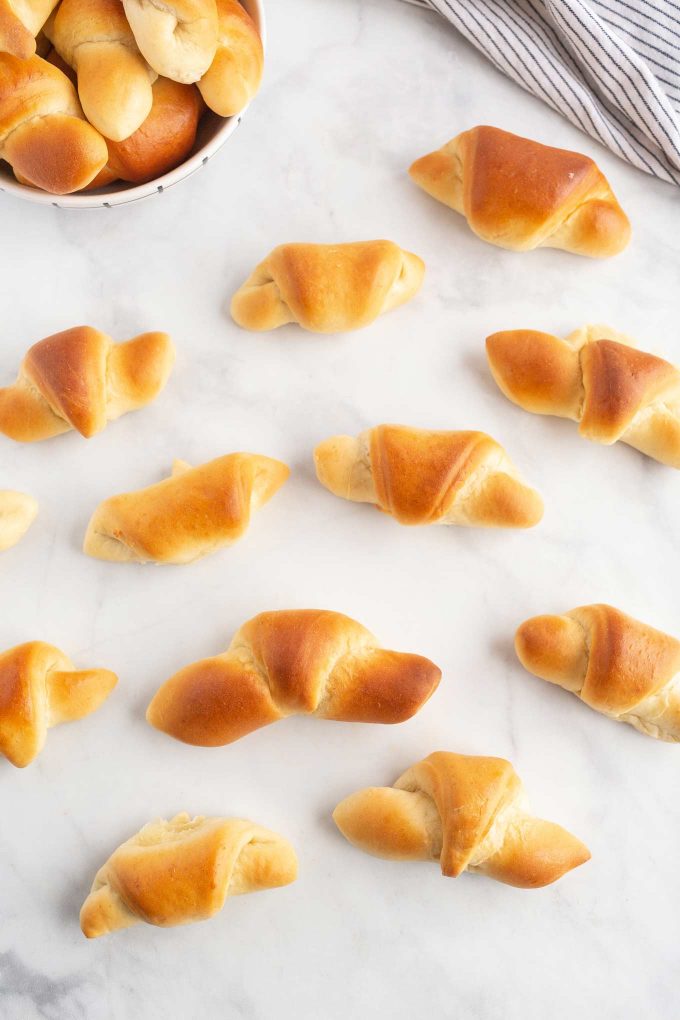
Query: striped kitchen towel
[612,67]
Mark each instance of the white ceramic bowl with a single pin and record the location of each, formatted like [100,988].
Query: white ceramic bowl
[213,132]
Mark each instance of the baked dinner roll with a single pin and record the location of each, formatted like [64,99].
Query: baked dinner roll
[43,134]
[615,664]
[597,378]
[191,514]
[178,38]
[327,288]
[80,379]
[298,661]
[40,688]
[17,513]
[519,194]
[165,138]
[234,76]
[424,477]
[467,812]
[20,22]
[183,870]
[114,80]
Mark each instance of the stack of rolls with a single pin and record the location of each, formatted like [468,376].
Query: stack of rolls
[94,91]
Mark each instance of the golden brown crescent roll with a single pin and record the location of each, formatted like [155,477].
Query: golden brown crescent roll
[424,477]
[615,664]
[597,378]
[183,870]
[165,138]
[20,22]
[298,661]
[177,37]
[114,80]
[43,134]
[191,514]
[327,288]
[469,813]
[80,379]
[234,76]
[40,688]
[519,194]
[17,513]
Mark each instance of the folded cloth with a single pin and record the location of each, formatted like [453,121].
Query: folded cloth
[612,67]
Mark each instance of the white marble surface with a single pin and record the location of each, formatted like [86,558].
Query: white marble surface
[354,91]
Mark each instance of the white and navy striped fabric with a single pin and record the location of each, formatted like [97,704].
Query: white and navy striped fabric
[611,66]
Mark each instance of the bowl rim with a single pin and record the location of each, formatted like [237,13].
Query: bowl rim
[133,193]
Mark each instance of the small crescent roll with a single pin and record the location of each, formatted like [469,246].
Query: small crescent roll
[184,870]
[519,194]
[43,133]
[17,513]
[191,514]
[178,38]
[468,813]
[80,379]
[20,23]
[618,666]
[234,76]
[113,79]
[327,288]
[424,477]
[40,688]
[597,378]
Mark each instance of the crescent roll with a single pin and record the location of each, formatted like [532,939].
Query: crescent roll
[622,668]
[327,288]
[113,79]
[80,379]
[20,22]
[519,194]
[191,514]
[597,378]
[183,870]
[234,76]
[17,513]
[424,477]
[469,813]
[39,688]
[43,133]
[178,38]
[298,661]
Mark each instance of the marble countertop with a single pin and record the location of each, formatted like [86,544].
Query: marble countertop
[353,93]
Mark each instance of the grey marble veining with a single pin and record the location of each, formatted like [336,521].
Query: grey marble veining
[354,91]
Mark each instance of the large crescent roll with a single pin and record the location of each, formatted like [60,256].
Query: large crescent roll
[424,477]
[327,288]
[191,514]
[80,379]
[298,661]
[597,378]
[184,870]
[39,688]
[519,194]
[17,513]
[469,813]
[617,665]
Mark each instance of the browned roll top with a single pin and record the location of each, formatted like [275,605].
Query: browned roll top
[312,662]
[617,665]
[468,813]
